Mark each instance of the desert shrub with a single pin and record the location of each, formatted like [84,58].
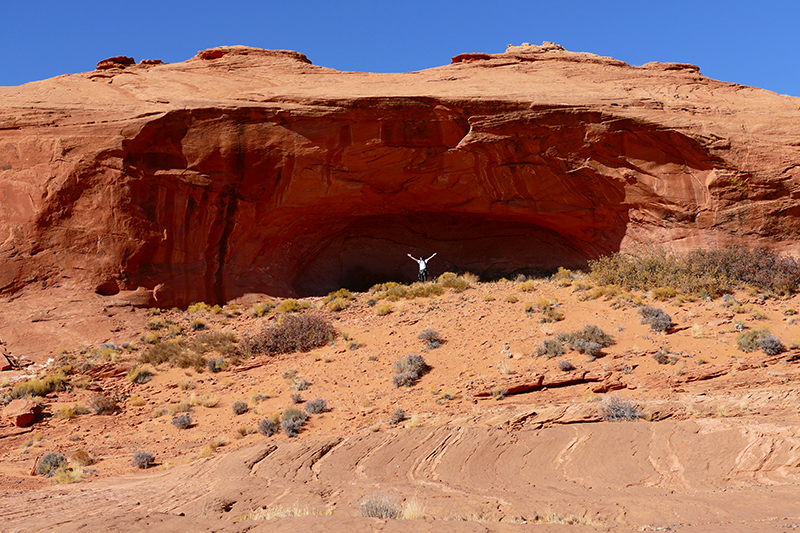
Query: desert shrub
[198,307]
[565,366]
[590,340]
[661,358]
[527,286]
[260,309]
[550,348]
[383,309]
[657,318]
[49,463]
[239,407]
[292,333]
[453,281]
[162,352]
[300,384]
[748,340]
[431,337]
[81,458]
[142,459]
[101,404]
[379,506]
[711,272]
[408,369]
[182,421]
[215,365]
[198,324]
[139,375]
[221,342]
[293,420]
[548,310]
[290,305]
[398,416]
[337,304]
[267,427]
[54,381]
[316,406]
[71,411]
[616,409]
[155,323]
[771,345]
[296,397]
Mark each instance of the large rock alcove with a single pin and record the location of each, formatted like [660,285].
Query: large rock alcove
[247,171]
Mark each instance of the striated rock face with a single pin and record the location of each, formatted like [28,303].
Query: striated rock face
[245,170]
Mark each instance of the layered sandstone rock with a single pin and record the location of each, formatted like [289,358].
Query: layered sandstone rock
[246,170]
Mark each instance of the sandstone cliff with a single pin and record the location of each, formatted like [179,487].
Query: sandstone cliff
[245,170]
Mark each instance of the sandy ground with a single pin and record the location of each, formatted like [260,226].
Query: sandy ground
[718,447]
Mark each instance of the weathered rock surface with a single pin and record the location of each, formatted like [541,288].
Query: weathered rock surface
[21,413]
[246,170]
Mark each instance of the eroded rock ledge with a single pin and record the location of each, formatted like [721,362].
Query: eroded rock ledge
[245,170]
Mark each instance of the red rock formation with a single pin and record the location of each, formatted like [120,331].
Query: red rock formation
[245,170]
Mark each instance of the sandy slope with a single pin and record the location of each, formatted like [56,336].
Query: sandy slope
[720,452]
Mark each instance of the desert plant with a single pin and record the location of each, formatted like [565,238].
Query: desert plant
[81,458]
[142,459]
[54,381]
[771,345]
[748,340]
[267,427]
[565,366]
[296,397]
[408,369]
[661,358]
[292,333]
[379,506]
[590,340]
[616,409]
[215,365]
[316,406]
[260,309]
[139,375]
[659,320]
[431,338]
[383,309]
[239,407]
[100,404]
[183,421]
[550,348]
[398,416]
[293,420]
[49,463]
[300,384]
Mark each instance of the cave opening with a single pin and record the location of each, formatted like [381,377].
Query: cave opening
[374,249]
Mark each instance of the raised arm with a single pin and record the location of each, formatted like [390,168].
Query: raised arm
[431,257]
[412,257]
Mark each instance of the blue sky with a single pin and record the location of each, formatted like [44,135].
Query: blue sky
[751,43]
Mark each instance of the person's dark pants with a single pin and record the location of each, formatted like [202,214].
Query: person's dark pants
[423,275]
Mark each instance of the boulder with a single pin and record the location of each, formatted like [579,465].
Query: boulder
[21,413]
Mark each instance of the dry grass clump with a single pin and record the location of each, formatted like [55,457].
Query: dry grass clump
[338,300]
[268,427]
[82,458]
[702,272]
[398,416]
[383,309]
[101,404]
[69,412]
[140,374]
[271,513]
[142,460]
[659,320]
[616,409]
[549,311]
[408,369]
[54,381]
[393,291]
[379,506]
[290,305]
[453,281]
[292,333]
[260,309]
